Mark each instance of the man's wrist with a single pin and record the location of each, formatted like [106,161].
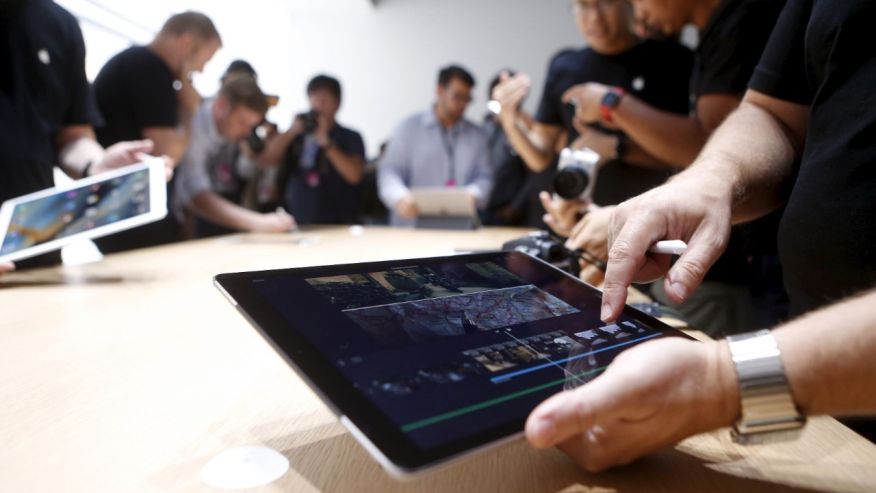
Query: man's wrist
[508,118]
[719,188]
[767,406]
[611,99]
[729,403]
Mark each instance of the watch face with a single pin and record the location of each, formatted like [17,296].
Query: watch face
[611,99]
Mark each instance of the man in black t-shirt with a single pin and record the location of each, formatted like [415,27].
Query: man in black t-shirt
[806,125]
[46,106]
[732,34]
[322,163]
[146,92]
[656,71]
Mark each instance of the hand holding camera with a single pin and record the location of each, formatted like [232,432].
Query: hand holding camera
[304,123]
[576,174]
[561,215]
[260,134]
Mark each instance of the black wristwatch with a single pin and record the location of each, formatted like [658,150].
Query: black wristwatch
[610,101]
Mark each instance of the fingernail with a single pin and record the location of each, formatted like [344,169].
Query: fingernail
[545,431]
[679,289]
[606,311]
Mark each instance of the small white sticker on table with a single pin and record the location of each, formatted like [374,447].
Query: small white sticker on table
[244,467]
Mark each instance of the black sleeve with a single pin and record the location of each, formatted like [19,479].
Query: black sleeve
[729,61]
[152,95]
[549,107]
[354,144]
[82,107]
[781,72]
[681,87]
[674,64]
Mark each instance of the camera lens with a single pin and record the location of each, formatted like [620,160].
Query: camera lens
[571,182]
[256,142]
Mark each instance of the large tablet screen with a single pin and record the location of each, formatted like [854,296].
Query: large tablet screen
[436,356]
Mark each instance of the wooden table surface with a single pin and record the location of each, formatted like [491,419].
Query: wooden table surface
[130,374]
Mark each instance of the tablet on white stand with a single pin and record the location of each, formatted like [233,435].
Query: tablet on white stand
[445,208]
[97,206]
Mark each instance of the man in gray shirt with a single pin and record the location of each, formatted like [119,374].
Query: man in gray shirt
[436,148]
[216,130]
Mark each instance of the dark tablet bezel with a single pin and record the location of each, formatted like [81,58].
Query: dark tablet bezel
[338,392]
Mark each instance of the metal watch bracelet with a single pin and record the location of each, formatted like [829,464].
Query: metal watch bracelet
[768,410]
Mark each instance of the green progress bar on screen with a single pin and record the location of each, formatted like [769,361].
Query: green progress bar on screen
[416,425]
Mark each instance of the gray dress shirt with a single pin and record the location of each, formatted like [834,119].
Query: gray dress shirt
[422,153]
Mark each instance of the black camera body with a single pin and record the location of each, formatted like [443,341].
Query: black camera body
[256,139]
[542,245]
[309,120]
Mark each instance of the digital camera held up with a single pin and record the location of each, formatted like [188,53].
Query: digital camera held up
[576,173]
[259,134]
[309,120]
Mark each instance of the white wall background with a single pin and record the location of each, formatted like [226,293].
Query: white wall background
[386,57]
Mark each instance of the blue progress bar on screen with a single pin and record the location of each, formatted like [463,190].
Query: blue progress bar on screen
[553,364]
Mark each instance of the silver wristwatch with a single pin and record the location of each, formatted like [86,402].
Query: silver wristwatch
[768,410]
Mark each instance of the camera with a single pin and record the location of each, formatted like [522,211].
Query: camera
[576,173]
[256,139]
[309,120]
[544,246]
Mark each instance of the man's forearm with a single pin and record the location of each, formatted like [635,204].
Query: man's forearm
[275,148]
[828,358]
[78,149]
[390,186]
[638,156]
[752,156]
[216,209]
[350,167]
[536,155]
[169,141]
[669,137]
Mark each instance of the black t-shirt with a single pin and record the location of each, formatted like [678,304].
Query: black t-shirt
[731,45]
[658,72]
[315,193]
[822,54]
[515,202]
[134,91]
[729,48]
[42,89]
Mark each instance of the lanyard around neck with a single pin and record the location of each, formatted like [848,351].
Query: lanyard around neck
[448,138]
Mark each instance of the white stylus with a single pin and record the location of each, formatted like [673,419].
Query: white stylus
[669,247]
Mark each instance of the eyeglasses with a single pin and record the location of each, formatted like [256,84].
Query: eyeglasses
[459,97]
[582,7]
